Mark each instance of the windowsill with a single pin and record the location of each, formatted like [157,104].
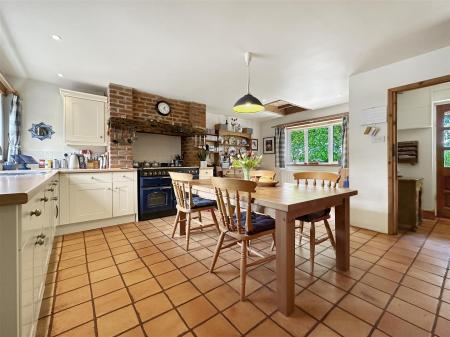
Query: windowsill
[315,165]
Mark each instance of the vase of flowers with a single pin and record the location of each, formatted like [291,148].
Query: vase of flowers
[202,155]
[246,162]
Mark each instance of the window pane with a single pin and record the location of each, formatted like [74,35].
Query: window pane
[447,158]
[337,142]
[318,145]
[447,138]
[446,120]
[298,146]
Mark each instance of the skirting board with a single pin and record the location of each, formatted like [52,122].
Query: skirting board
[88,225]
[430,215]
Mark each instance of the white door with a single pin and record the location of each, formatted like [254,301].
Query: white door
[123,198]
[90,202]
[84,121]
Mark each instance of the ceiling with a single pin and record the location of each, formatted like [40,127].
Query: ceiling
[303,52]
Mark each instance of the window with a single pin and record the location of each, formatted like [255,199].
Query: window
[314,143]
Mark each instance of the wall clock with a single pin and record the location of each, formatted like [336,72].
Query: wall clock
[163,108]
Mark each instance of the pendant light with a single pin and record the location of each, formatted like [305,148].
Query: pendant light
[248,103]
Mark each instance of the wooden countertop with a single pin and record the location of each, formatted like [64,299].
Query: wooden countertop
[18,186]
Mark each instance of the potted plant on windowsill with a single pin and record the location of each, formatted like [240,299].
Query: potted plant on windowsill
[202,156]
[246,162]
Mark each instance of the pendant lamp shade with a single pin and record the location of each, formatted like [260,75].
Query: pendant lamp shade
[248,103]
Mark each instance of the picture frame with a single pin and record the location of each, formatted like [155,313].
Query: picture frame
[254,144]
[269,145]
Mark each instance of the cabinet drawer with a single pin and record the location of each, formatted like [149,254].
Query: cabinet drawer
[33,217]
[123,176]
[89,178]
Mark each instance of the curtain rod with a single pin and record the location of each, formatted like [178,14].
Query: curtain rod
[312,120]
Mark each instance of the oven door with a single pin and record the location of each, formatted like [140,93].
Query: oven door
[156,199]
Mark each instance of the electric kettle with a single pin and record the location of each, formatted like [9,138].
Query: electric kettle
[74,162]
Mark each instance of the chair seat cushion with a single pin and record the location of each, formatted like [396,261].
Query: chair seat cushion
[199,202]
[315,215]
[260,222]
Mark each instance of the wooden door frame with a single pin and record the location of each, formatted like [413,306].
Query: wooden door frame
[392,144]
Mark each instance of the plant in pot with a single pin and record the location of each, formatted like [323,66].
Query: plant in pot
[202,156]
[246,162]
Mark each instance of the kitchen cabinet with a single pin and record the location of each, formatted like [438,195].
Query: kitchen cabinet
[124,194]
[84,118]
[90,201]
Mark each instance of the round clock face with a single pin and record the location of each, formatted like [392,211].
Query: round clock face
[163,108]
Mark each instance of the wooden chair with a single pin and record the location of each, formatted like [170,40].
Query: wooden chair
[262,175]
[238,224]
[188,203]
[326,179]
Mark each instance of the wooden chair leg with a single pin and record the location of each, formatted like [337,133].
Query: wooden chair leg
[200,220]
[273,242]
[213,214]
[175,225]
[301,233]
[330,234]
[243,268]
[188,230]
[312,245]
[217,251]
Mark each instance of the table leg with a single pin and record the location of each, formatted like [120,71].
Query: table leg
[182,225]
[342,221]
[285,247]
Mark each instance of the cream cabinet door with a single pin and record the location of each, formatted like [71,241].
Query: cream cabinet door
[26,287]
[123,198]
[84,121]
[90,202]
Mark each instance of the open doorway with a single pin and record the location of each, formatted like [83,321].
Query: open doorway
[414,156]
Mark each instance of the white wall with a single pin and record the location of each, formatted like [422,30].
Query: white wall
[267,130]
[42,102]
[368,161]
[152,147]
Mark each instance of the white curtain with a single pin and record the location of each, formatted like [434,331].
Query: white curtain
[14,128]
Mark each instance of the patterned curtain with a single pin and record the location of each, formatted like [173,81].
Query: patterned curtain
[280,147]
[14,129]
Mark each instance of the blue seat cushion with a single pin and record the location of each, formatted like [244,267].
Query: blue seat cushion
[260,222]
[315,215]
[199,202]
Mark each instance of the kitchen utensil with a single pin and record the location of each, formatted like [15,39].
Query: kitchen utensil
[74,162]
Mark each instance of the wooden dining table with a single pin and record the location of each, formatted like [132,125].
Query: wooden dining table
[285,203]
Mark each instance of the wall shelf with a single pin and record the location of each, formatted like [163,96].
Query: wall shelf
[408,152]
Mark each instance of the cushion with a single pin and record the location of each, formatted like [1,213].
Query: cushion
[313,216]
[260,222]
[199,202]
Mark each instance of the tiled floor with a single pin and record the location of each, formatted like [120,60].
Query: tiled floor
[134,280]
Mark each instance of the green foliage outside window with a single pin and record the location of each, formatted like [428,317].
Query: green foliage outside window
[298,146]
[337,142]
[318,145]
[447,158]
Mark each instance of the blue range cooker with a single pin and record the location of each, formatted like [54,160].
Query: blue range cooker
[156,197]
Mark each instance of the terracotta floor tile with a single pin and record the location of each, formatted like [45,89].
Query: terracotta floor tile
[116,322]
[411,313]
[422,286]
[171,279]
[111,302]
[338,280]
[264,299]
[327,291]
[98,255]
[122,249]
[136,276]
[379,283]
[298,323]
[194,270]
[162,267]
[442,327]
[144,289]
[135,332]
[107,286]
[426,276]
[346,324]
[130,265]
[251,285]
[396,327]
[244,316]
[153,306]
[85,330]
[100,264]
[103,274]
[196,311]
[148,250]
[182,293]
[444,310]
[72,298]
[223,296]
[71,272]
[323,331]
[70,318]
[154,258]
[378,333]
[207,282]
[228,272]
[169,324]
[183,260]
[71,283]
[262,275]
[417,298]
[372,295]
[314,305]
[386,273]
[216,326]
[125,257]
[268,328]
[97,248]
[361,309]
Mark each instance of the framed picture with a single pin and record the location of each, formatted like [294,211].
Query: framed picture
[254,144]
[269,145]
